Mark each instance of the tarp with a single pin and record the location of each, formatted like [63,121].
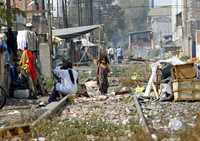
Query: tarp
[87,43]
[74,31]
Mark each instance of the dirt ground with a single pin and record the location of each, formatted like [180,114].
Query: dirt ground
[112,117]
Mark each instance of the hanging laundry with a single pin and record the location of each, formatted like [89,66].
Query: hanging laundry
[4,48]
[27,63]
[26,37]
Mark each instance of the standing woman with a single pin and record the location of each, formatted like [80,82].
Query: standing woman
[102,74]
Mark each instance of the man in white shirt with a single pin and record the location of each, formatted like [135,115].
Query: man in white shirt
[68,81]
[111,54]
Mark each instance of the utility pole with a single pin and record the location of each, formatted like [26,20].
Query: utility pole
[91,12]
[65,15]
[100,18]
[85,15]
[50,31]
[58,17]
[79,16]
[81,12]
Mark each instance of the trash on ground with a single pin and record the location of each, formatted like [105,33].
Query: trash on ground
[175,124]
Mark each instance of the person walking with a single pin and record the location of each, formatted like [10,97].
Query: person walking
[102,74]
[119,55]
[111,54]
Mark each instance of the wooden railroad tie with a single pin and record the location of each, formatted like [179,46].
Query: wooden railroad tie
[16,131]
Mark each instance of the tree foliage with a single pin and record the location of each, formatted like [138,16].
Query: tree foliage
[7,16]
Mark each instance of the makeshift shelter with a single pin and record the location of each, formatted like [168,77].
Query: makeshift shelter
[67,33]
[71,33]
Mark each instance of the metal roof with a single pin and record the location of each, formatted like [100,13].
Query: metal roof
[74,31]
[139,32]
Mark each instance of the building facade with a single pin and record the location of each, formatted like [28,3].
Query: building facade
[191,23]
[160,22]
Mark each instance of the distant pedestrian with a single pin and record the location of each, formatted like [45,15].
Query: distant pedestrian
[102,74]
[119,54]
[111,54]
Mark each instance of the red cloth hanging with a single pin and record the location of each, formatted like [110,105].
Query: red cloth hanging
[31,64]
[29,59]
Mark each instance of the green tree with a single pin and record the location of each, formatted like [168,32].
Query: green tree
[7,16]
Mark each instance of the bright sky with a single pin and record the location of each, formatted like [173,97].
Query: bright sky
[162,2]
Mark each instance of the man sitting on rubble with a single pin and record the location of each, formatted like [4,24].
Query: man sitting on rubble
[68,81]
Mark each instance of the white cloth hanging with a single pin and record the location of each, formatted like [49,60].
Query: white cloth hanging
[26,38]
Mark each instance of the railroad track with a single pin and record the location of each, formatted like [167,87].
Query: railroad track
[22,132]
[143,120]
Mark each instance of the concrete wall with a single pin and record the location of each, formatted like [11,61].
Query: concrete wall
[176,9]
[191,14]
[45,60]
[161,26]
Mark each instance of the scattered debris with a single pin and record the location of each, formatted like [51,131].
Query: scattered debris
[175,124]
[13,113]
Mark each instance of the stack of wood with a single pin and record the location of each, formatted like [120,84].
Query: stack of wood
[185,85]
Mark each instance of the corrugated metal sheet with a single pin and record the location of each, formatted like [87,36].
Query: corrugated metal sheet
[74,31]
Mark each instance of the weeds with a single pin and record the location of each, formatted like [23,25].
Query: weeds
[77,130]
[191,134]
[49,83]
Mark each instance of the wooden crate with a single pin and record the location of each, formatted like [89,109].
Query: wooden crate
[186,85]
[185,71]
[182,85]
[196,84]
[187,96]
[186,90]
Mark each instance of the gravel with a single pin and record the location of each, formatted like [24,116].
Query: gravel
[161,114]
[114,109]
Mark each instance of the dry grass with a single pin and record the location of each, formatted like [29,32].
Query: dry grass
[192,134]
